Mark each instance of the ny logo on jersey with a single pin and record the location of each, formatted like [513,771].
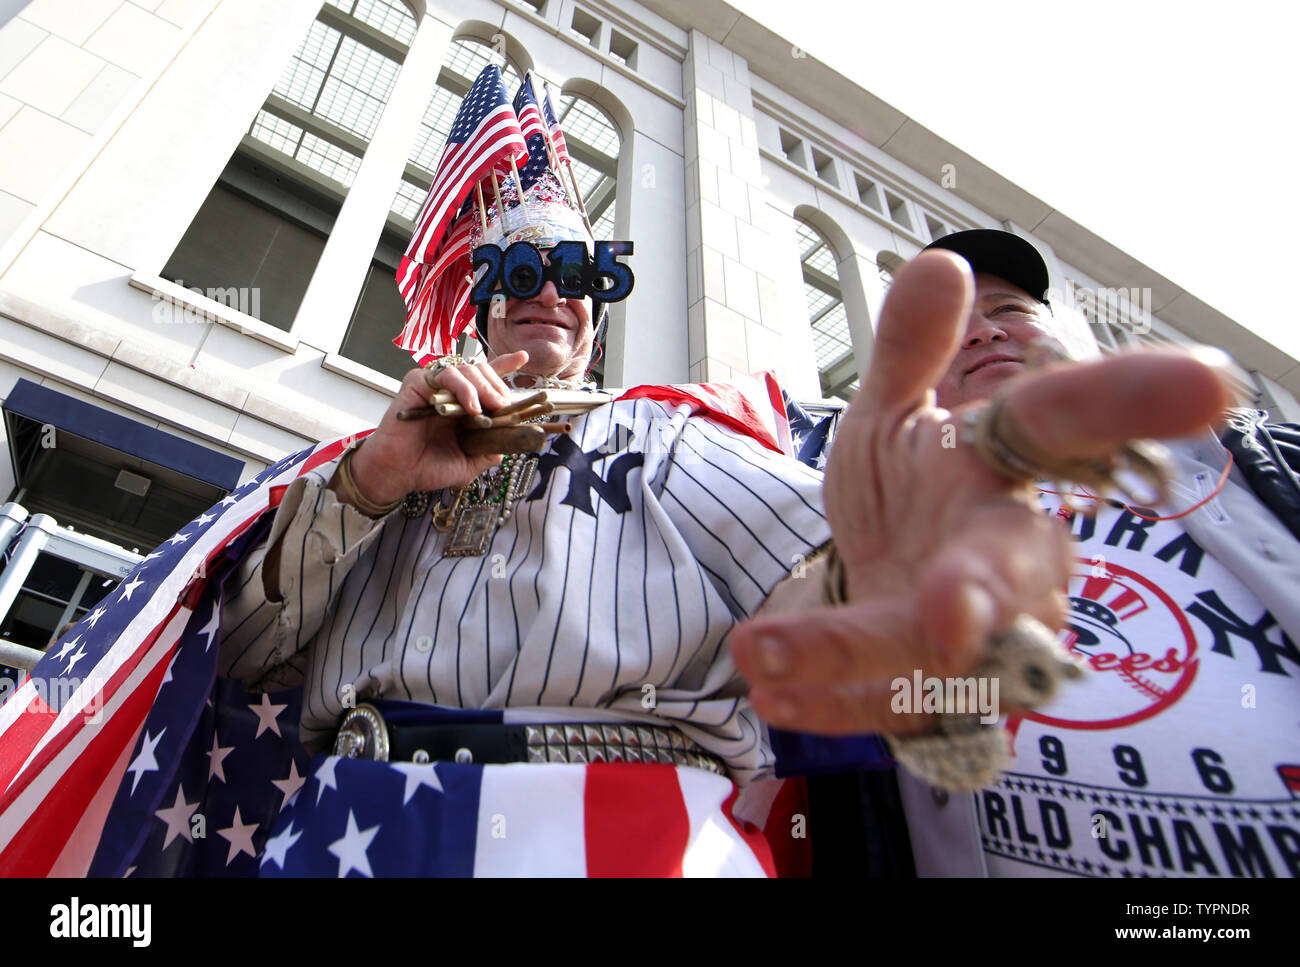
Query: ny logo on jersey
[583,478]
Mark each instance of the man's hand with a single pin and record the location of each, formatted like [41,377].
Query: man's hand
[406,455]
[939,551]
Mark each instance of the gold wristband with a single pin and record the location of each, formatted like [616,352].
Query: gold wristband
[355,497]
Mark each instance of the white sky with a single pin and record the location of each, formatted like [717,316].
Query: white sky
[1168,128]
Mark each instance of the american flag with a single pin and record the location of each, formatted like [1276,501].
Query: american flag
[557,136]
[485,137]
[530,118]
[88,773]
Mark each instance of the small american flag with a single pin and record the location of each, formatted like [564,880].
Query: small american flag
[134,677]
[485,137]
[530,118]
[557,136]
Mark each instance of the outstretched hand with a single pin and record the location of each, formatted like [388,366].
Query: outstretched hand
[940,551]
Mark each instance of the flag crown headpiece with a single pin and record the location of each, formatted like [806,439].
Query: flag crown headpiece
[501,180]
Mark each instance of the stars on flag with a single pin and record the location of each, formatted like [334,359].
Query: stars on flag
[417,776]
[240,836]
[80,654]
[67,647]
[278,846]
[210,629]
[290,784]
[266,715]
[177,817]
[216,757]
[146,761]
[351,848]
[325,778]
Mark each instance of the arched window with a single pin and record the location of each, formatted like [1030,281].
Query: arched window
[264,224]
[832,343]
[594,144]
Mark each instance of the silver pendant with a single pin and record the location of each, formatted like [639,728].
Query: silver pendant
[473,530]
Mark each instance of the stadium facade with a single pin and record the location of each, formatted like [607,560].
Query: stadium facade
[202,205]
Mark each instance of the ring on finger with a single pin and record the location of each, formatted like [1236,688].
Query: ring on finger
[1000,442]
[444,362]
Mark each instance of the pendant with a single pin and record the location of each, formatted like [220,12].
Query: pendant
[472,532]
[473,517]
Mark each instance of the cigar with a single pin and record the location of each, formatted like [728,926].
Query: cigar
[443,403]
[525,438]
[519,416]
[528,438]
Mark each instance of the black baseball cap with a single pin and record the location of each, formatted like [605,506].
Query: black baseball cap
[999,253]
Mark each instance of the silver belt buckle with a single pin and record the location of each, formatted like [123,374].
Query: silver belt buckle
[362,735]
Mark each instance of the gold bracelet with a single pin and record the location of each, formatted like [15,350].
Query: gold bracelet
[356,498]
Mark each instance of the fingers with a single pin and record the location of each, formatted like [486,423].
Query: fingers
[1013,560]
[510,362]
[827,646]
[920,325]
[476,387]
[831,670]
[1086,410]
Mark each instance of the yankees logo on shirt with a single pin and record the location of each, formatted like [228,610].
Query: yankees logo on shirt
[1178,754]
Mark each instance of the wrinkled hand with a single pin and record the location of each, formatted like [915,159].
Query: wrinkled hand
[406,455]
[939,551]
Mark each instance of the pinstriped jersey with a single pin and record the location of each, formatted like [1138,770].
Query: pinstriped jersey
[608,594]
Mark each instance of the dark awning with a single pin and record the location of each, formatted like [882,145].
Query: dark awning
[146,443]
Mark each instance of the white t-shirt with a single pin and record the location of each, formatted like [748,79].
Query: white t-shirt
[1179,754]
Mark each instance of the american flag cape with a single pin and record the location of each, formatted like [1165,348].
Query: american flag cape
[153,765]
[485,137]
[134,678]
[752,405]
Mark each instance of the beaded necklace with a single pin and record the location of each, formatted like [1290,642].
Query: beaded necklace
[472,514]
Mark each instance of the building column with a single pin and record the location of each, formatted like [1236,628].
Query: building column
[326,309]
[863,291]
[735,319]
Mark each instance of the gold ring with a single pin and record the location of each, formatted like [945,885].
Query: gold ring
[1001,444]
[444,362]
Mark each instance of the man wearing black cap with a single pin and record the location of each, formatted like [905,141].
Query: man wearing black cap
[1011,285]
[1177,754]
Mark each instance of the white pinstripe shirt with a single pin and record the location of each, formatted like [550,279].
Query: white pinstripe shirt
[646,537]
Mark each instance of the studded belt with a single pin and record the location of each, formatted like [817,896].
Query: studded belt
[365,734]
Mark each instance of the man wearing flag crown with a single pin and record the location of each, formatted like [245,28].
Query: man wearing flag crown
[548,637]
